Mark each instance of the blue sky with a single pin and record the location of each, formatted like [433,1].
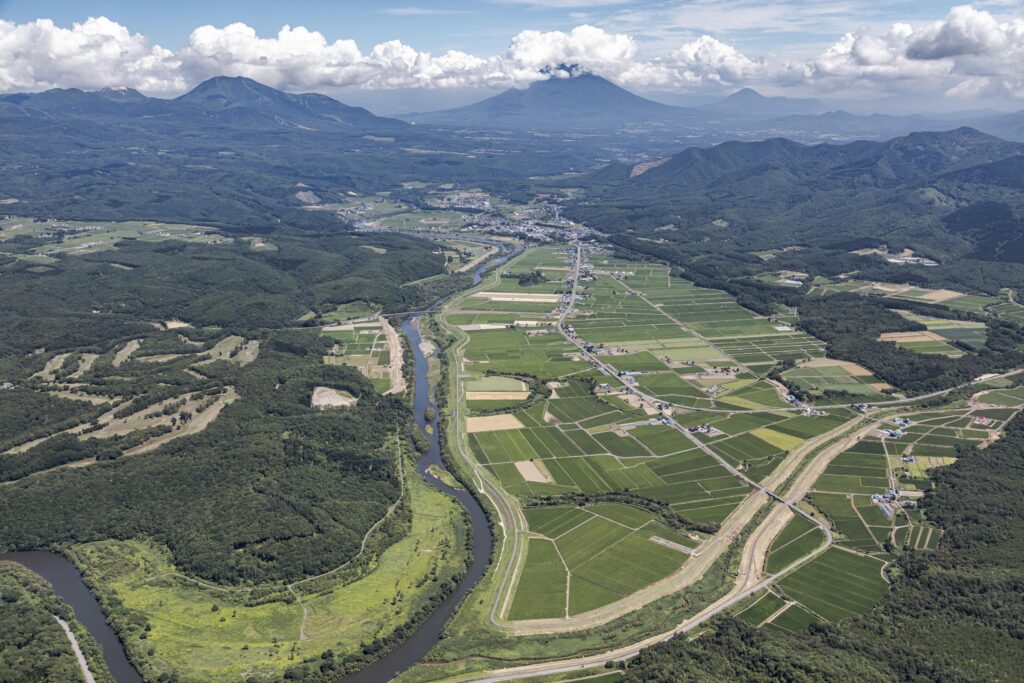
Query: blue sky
[785,26]
[917,51]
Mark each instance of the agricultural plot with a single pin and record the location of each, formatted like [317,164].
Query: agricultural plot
[973,303]
[591,436]
[756,443]
[836,585]
[86,237]
[685,345]
[363,346]
[579,559]
[764,606]
[827,375]
[797,539]
[868,491]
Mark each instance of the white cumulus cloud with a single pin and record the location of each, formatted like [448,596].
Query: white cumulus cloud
[968,53]
[91,54]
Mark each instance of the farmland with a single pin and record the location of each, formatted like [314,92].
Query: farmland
[625,417]
[364,346]
[574,434]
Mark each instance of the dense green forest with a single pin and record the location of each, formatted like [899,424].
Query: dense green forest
[272,489]
[953,614]
[774,193]
[33,647]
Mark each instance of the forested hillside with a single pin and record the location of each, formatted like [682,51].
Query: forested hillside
[170,382]
[755,195]
[32,645]
[233,153]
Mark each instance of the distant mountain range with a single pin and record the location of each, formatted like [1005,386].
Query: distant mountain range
[748,103]
[224,101]
[585,103]
[777,191]
[578,103]
[231,152]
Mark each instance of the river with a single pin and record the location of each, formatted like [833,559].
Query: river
[68,584]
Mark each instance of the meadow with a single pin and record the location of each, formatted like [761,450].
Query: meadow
[175,625]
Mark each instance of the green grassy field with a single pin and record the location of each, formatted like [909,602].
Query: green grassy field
[216,635]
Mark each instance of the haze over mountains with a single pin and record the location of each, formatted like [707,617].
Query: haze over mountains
[585,102]
[232,152]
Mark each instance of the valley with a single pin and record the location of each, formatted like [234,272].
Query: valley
[405,405]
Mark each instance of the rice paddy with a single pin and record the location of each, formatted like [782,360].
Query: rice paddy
[693,348]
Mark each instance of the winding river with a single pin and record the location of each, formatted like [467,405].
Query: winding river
[68,584]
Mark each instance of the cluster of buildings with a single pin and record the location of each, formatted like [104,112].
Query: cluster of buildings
[472,200]
[707,429]
[807,410]
[911,260]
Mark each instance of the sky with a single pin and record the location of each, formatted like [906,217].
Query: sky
[409,55]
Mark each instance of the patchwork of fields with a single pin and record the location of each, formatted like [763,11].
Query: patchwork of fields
[364,346]
[618,496]
[571,433]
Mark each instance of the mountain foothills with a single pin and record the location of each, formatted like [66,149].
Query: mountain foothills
[955,195]
[698,372]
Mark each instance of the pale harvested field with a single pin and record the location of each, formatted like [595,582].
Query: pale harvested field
[497,395]
[49,370]
[325,397]
[395,351]
[248,353]
[852,368]
[492,423]
[940,295]
[125,352]
[532,471]
[482,326]
[175,324]
[925,335]
[880,386]
[535,323]
[198,423]
[634,401]
[518,297]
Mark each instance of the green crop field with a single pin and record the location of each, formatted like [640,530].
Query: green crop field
[605,549]
[798,538]
[836,585]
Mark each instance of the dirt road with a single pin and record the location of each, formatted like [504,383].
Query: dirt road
[396,355]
